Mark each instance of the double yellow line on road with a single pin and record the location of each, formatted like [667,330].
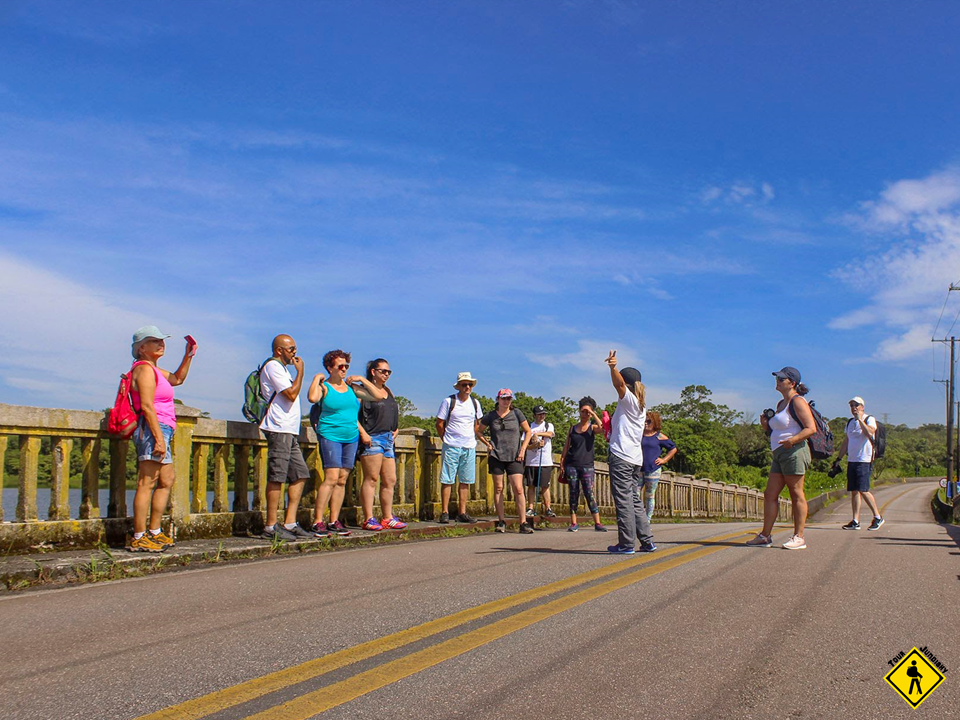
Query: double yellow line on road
[341,692]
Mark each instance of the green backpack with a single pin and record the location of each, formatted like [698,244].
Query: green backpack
[255,405]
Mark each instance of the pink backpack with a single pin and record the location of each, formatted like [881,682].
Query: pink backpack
[123,418]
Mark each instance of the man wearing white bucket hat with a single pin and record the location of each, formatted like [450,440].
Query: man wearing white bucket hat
[458,424]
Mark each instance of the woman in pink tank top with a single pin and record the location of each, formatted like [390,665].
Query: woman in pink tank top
[153,399]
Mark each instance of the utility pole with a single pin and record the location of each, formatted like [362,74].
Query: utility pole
[950,381]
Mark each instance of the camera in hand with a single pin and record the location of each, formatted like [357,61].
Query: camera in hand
[769,413]
[835,469]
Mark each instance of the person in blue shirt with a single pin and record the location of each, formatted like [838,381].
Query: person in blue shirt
[654,443]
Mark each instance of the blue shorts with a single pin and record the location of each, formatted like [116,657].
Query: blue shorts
[458,463]
[143,441]
[381,444]
[858,476]
[335,454]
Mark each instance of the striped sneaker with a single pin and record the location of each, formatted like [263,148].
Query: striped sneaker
[372,524]
[393,523]
[337,528]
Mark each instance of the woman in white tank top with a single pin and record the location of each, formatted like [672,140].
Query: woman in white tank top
[788,427]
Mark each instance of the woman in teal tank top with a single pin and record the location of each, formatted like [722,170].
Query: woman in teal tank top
[338,434]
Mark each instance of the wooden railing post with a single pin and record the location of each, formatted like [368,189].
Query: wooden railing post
[241,478]
[60,479]
[90,492]
[198,481]
[220,478]
[27,496]
[182,454]
[117,504]
[260,479]
[4,439]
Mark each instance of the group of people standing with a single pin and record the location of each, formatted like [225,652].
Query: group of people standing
[357,419]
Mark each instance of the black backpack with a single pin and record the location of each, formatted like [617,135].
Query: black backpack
[821,442]
[879,440]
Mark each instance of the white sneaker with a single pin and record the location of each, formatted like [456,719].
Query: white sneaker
[795,543]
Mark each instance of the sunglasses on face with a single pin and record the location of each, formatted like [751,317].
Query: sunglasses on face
[342,367]
[388,373]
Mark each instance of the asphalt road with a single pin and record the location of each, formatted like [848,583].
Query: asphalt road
[509,626]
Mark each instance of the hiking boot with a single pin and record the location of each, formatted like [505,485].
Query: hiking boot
[620,550]
[599,527]
[144,544]
[161,538]
[444,518]
[500,526]
[393,523]
[795,543]
[760,540]
[372,524]
[852,525]
[573,528]
[320,530]
[299,533]
[337,527]
[549,513]
[875,525]
[531,512]
[525,529]
[648,547]
[464,518]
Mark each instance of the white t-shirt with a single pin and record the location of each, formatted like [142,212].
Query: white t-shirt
[859,446]
[283,416]
[541,457]
[459,431]
[626,429]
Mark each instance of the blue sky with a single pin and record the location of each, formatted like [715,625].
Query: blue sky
[715,189]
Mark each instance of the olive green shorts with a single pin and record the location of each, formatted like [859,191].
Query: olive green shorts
[791,461]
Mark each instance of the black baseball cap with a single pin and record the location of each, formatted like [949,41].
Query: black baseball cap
[630,375]
[539,410]
[791,373]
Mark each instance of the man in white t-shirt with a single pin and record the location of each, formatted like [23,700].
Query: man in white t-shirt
[538,463]
[458,424]
[858,447]
[281,427]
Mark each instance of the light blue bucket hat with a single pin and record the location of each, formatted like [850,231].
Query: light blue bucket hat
[145,333]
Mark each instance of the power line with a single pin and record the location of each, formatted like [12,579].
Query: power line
[941,313]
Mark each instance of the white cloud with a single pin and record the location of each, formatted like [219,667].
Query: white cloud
[906,284]
[739,192]
[589,356]
[66,343]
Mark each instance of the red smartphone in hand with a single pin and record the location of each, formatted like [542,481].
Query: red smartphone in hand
[191,345]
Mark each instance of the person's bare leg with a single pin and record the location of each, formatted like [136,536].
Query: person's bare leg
[771,502]
[339,492]
[795,485]
[855,504]
[148,473]
[498,497]
[445,492]
[324,493]
[161,496]
[294,493]
[463,496]
[516,483]
[871,503]
[371,471]
[274,490]
[388,481]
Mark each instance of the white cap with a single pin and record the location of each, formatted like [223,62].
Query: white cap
[857,399]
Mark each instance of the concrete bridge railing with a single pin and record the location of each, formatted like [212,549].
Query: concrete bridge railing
[84,496]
